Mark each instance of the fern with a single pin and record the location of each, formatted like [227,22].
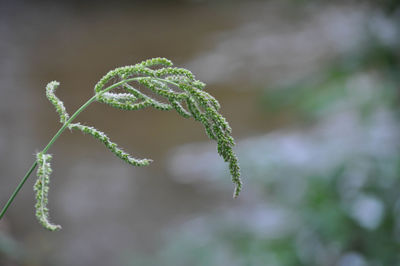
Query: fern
[128,88]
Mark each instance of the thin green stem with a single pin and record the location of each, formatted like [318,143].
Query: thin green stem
[59,132]
[167,81]
[55,137]
[3,211]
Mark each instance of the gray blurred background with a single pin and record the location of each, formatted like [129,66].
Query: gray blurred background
[310,88]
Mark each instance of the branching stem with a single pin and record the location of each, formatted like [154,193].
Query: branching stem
[189,100]
[59,132]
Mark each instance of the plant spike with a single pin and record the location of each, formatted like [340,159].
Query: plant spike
[41,188]
[156,62]
[58,104]
[102,137]
[180,91]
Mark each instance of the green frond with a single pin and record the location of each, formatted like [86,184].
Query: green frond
[41,188]
[58,104]
[102,137]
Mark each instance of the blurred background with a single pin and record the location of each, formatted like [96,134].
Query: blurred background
[310,88]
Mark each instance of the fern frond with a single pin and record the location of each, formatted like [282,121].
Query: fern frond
[41,188]
[102,137]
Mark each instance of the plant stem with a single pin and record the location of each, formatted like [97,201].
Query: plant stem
[18,189]
[59,132]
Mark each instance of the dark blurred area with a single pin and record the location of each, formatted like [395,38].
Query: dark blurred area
[310,88]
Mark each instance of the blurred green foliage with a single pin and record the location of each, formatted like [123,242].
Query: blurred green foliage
[311,97]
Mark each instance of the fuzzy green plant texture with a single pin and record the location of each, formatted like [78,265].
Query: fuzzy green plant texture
[151,83]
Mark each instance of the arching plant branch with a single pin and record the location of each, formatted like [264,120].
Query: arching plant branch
[151,83]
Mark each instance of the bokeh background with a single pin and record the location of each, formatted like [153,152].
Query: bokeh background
[310,88]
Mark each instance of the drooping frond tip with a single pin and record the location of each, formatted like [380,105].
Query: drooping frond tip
[180,91]
[41,188]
